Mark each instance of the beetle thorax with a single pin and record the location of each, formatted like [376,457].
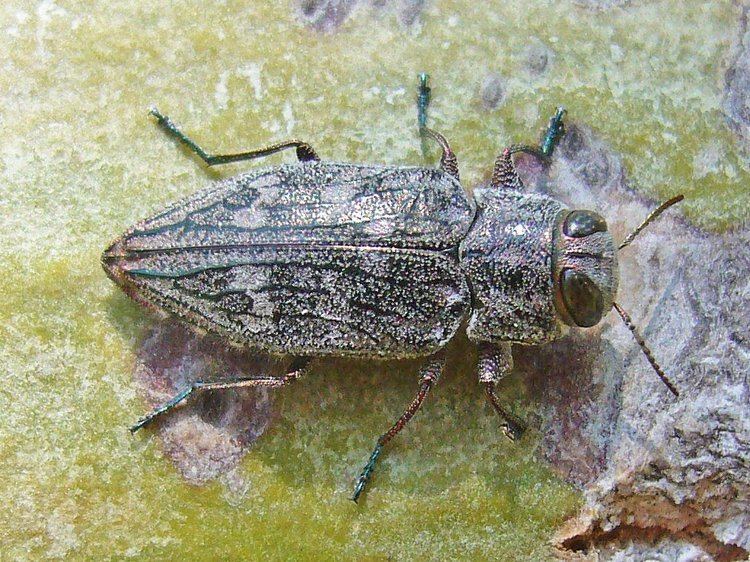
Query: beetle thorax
[507,257]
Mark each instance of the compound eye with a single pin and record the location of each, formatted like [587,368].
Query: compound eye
[582,223]
[582,298]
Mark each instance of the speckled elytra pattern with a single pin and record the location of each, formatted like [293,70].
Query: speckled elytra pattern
[309,259]
[339,259]
[316,203]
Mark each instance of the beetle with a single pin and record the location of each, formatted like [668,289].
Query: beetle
[386,262]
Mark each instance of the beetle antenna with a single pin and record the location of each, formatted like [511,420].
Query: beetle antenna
[646,351]
[654,214]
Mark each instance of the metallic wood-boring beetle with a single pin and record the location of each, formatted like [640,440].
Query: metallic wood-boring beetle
[315,258]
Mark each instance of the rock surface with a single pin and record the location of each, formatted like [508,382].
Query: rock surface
[602,4]
[492,91]
[737,83]
[653,467]
[328,15]
[537,58]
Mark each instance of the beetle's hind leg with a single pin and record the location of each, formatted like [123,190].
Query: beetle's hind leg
[304,151]
[299,369]
[430,374]
[448,160]
[495,362]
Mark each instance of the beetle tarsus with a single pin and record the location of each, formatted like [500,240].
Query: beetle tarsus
[555,130]
[156,412]
[364,476]
[512,427]
[513,430]
[423,100]
[448,160]
[154,111]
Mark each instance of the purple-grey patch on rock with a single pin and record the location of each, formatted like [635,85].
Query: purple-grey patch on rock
[736,104]
[209,434]
[653,466]
[602,4]
[579,407]
[328,15]
[536,58]
[410,10]
[492,91]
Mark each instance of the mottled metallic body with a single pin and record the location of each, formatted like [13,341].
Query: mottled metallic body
[339,259]
[317,258]
[316,203]
[310,259]
[507,256]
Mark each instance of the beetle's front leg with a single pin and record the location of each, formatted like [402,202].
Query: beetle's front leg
[495,362]
[505,175]
[430,374]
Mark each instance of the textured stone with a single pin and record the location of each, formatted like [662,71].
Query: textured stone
[651,465]
[537,57]
[602,4]
[736,103]
[328,15]
[492,91]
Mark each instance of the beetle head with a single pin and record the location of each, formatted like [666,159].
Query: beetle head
[585,277]
[584,268]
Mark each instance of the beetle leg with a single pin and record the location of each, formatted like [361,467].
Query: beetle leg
[495,362]
[555,129]
[299,369]
[505,176]
[448,160]
[305,152]
[423,99]
[430,374]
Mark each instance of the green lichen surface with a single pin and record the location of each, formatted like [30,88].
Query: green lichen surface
[80,161]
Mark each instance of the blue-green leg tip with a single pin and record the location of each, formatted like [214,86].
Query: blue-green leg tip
[423,99]
[364,477]
[555,130]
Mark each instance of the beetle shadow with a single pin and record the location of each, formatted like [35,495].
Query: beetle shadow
[208,434]
[575,384]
